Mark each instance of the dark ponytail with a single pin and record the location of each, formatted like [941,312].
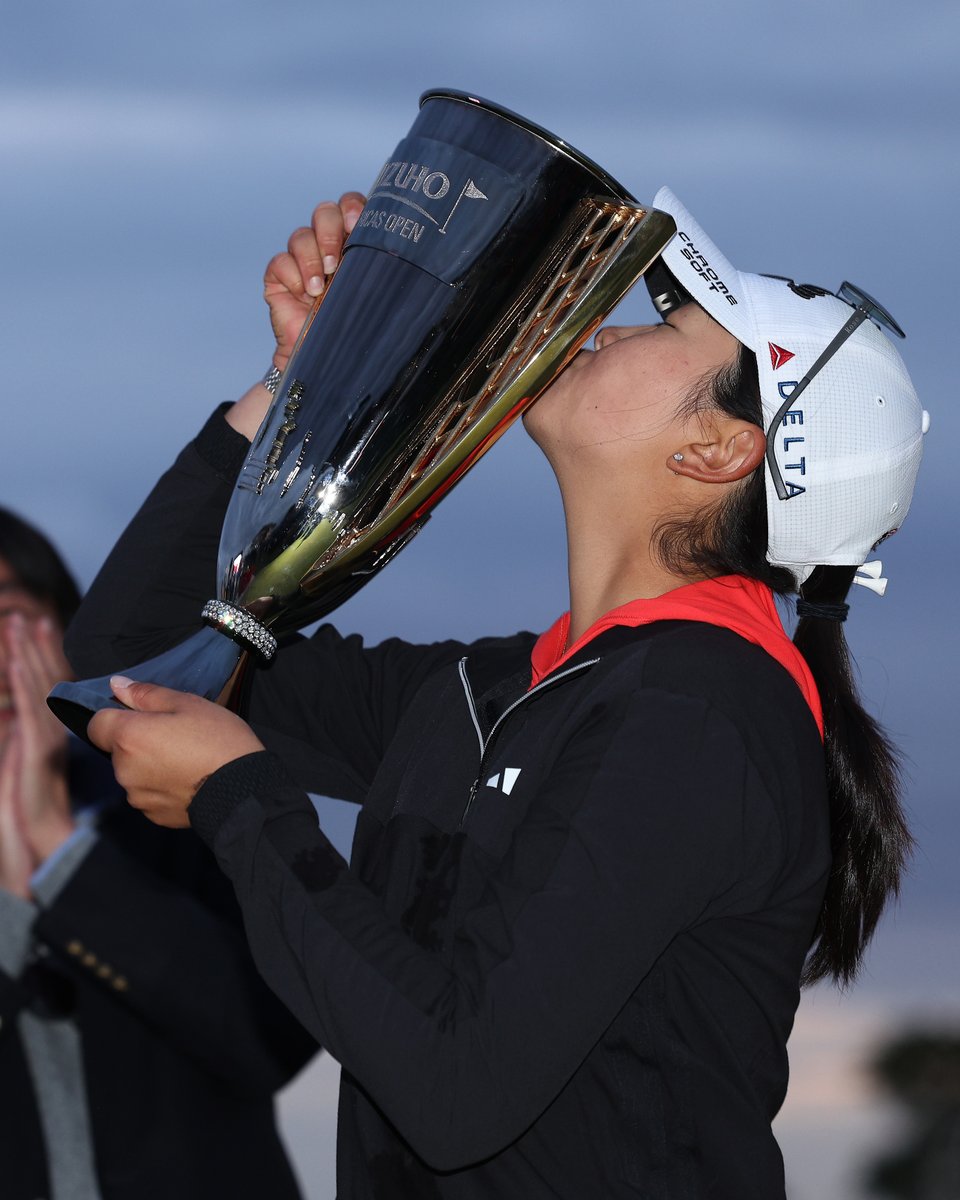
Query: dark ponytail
[869,836]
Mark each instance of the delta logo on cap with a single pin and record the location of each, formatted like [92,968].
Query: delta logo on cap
[779,356]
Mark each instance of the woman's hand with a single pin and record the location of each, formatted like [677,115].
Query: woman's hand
[294,279]
[16,860]
[291,285]
[34,767]
[165,744]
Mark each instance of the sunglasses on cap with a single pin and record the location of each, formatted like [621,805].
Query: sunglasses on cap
[864,306]
[668,295]
[665,291]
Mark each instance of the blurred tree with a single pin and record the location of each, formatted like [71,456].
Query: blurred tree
[922,1072]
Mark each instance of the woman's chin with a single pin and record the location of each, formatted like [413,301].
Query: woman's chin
[548,410]
[533,418]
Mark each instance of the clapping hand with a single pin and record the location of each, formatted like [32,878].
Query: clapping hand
[35,815]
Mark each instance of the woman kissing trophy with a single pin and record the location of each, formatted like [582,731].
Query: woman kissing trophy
[488,252]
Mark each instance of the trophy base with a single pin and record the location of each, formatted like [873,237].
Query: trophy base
[202,665]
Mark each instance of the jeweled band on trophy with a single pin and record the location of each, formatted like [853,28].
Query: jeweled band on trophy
[487,253]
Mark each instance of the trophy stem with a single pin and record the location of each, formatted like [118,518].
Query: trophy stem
[202,664]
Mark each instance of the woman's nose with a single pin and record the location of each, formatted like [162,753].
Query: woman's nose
[609,333]
[616,333]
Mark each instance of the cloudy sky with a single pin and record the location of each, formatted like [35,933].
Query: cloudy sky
[151,161]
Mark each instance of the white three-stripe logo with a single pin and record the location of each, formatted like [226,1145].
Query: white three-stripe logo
[510,776]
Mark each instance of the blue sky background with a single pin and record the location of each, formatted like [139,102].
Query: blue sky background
[152,160]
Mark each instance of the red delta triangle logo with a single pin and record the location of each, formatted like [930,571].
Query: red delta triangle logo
[779,356]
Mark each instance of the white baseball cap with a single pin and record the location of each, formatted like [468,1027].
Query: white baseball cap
[842,459]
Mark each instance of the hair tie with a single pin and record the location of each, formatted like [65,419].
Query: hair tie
[822,612]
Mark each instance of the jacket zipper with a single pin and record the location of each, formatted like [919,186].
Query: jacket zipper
[484,745]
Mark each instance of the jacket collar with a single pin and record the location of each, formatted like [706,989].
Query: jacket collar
[732,602]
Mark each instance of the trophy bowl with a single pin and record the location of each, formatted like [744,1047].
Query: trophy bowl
[488,252]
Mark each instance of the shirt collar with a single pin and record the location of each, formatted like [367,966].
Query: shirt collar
[733,602]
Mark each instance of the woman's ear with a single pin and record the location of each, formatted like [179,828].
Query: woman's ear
[731,450]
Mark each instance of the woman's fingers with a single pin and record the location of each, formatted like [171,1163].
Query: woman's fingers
[289,303]
[35,665]
[49,641]
[31,668]
[295,278]
[283,275]
[16,861]
[333,223]
[317,249]
[164,744]
[309,255]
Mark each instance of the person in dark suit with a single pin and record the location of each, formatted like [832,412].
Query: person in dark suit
[139,1049]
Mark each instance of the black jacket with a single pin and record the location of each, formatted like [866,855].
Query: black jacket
[565,958]
[183,1045]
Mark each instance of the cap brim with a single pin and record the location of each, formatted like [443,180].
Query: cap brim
[706,273]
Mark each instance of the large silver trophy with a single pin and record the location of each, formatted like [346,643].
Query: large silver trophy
[487,253]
